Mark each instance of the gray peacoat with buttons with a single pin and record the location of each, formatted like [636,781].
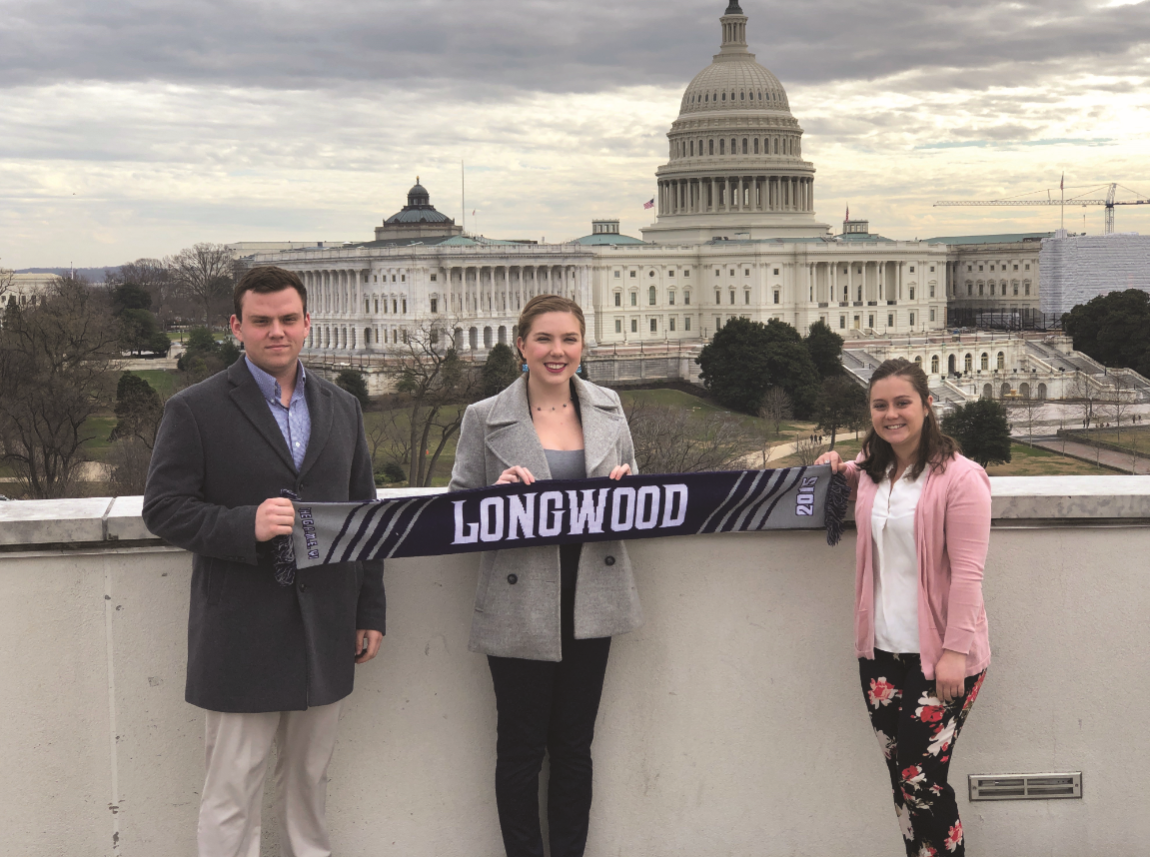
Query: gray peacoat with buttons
[254,645]
[517,600]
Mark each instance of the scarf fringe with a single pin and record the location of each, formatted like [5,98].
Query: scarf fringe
[838,497]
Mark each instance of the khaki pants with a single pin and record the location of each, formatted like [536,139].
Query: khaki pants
[237,747]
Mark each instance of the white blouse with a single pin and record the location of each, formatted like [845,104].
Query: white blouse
[896,564]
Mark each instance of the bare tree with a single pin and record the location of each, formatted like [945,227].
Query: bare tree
[1086,395]
[676,440]
[388,433]
[437,384]
[1121,398]
[776,407]
[54,375]
[203,273]
[1029,407]
[152,275]
[7,281]
[808,449]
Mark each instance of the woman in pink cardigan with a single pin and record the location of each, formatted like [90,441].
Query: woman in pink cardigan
[922,512]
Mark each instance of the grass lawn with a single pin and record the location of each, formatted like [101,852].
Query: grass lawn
[1129,438]
[163,381]
[1024,461]
[1032,461]
[99,427]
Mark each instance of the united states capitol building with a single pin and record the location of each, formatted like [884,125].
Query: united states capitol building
[736,235]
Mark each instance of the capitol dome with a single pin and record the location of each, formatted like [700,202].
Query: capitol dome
[736,167]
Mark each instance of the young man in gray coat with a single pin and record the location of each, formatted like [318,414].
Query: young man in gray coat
[270,658]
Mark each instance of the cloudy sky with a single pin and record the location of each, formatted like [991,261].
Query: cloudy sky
[138,127]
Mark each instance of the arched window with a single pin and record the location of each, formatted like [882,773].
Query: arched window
[934,365]
[756,145]
[1024,390]
[776,145]
[918,361]
[987,391]
[724,96]
[744,145]
[692,148]
[984,362]
[969,288]
[651,295]
[734,146]
[367,336]
[1001,363]
[742,96]
[722,147]
[712,142]
[1005,390]
[968,363]
[488,339]
[1041,391]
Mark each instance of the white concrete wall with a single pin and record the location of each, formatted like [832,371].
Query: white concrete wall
[732,722]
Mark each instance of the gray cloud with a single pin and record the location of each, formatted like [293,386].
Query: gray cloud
[485,48]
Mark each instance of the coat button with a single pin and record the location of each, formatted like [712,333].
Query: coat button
[512,579]
[608,560]
[303,587]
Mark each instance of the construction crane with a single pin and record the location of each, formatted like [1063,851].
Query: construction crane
[1082,199]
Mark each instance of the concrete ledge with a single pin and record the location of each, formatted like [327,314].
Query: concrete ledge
[1049,500]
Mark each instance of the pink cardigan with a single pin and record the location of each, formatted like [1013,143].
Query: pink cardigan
[952,532]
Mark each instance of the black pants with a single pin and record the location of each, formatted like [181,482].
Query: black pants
[916,732]
[548,707]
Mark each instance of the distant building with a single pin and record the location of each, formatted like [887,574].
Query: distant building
[993,280]
[28,288]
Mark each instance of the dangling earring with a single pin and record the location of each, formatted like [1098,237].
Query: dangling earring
[524,367]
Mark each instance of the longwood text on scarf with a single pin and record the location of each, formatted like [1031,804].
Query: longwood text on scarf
[562,511]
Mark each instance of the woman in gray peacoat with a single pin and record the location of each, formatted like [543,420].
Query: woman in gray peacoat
[545,616]
[521,619]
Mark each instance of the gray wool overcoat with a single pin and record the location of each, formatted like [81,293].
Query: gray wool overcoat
[253,644]
[517,600]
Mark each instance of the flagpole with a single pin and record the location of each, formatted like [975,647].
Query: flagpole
[463,192]
[1062,205]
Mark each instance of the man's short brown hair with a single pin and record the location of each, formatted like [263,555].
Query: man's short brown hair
[264,279]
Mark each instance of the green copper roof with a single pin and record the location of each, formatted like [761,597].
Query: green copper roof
[1005,238]
[607,238]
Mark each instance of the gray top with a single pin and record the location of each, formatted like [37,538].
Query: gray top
[566,463]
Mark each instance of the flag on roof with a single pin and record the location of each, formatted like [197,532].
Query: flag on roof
[848,217]
[1062,183]
[650,203]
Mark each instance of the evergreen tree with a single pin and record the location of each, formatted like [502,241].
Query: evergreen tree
[353,381]
[982,430]
[500,370]
[826,349]
[1114,329]
[138,408]
[745,358]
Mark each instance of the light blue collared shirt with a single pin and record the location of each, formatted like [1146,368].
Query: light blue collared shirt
[295,419]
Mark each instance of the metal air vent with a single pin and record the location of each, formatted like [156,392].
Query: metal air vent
[1025,786]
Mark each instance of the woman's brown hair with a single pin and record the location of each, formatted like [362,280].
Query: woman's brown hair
[541,304]
[934,447]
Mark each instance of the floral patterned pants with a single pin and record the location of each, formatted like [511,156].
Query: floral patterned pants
[917,732]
